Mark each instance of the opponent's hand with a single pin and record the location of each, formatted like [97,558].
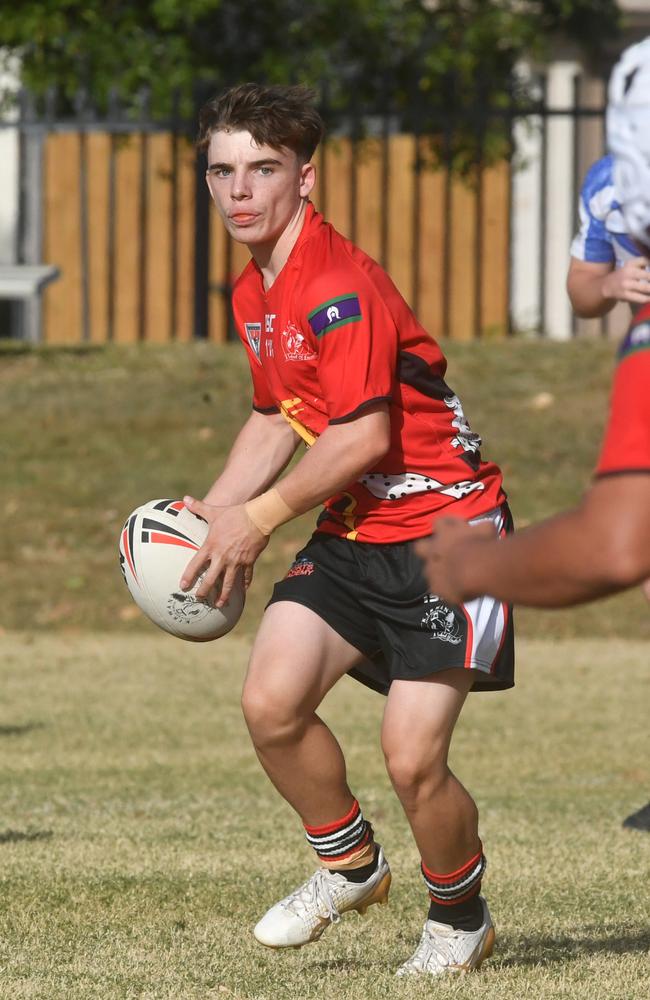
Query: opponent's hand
[232,545]
[630,283]
[443,555]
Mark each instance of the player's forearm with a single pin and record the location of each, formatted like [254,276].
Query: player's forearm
[587,296]
[339,457]
[569,559]
[261,451]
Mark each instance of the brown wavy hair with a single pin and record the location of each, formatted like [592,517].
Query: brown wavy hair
[276,116]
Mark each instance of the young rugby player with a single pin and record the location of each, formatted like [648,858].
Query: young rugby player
[603,546]
[339,362]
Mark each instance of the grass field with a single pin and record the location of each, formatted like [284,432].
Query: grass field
[140,840]
[88,434]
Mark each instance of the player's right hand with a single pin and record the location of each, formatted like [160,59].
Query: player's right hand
[630,283]
[232,545]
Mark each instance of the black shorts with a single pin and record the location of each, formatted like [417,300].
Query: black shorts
[376,598]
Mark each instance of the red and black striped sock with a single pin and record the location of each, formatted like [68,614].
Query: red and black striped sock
[454,896]
[344,844]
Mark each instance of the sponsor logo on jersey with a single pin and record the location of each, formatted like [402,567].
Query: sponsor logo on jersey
[334,313]
[301,567]
[254,336]
[441,622]
[638,339]
[295,346]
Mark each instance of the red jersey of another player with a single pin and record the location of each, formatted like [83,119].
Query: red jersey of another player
[626,447]
[330,337]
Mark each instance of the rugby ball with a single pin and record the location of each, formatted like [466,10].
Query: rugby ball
[156,543]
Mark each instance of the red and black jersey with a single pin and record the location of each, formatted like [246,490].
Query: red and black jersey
[330,337]
[626,447]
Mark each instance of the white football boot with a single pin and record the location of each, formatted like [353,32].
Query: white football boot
[444,950]
[322,900]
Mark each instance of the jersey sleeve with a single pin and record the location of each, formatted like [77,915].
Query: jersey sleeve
[593,243]
[626,447]
[357,343]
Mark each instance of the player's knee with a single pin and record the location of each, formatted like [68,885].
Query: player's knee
[413,774]
[271,719]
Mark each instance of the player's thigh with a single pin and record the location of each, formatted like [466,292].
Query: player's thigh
[420,716]
[297,657]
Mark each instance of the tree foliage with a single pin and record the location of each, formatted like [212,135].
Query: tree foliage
[425,60]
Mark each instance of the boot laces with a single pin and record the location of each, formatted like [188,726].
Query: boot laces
[316,893]
[434,949]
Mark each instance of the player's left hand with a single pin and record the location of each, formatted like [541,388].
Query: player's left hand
[233,544]
[442,555]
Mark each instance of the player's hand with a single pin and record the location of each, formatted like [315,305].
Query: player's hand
[630,283]
[443,554]
[232,546]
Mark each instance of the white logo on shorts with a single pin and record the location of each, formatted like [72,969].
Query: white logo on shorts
[441,622]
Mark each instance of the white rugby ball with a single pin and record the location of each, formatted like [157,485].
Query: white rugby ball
[156,543]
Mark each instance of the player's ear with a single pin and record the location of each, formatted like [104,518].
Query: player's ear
[307,179]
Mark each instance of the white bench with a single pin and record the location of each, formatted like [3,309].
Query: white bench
[24,283]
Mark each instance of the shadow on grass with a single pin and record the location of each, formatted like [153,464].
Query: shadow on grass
[17,836]
[550,950]
[20,730]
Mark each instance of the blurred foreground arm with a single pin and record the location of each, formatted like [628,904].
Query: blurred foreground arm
[595,288]
[599,548]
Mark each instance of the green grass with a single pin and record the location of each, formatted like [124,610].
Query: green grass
[89,434]
[140,840]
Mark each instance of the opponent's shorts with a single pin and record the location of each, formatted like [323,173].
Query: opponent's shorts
[376,598]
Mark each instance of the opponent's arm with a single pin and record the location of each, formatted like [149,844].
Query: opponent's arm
[599,548]
[238,534]
[594,287]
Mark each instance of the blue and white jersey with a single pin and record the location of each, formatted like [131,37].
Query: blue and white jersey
[602,238]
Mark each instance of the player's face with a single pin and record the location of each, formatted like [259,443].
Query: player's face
[258,190]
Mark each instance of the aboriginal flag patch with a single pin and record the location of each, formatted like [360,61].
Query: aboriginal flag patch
[334,313]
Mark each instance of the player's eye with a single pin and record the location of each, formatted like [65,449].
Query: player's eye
[219,172]
[266,171]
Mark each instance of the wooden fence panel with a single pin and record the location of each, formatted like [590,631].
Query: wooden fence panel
[186,244]
[460,277]
[62,319]
[98,152]
[431,251]
[159,257]
[495,251]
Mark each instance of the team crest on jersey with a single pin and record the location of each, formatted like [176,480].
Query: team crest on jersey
[334,313]
[295,346]
[254,336]
[441,622]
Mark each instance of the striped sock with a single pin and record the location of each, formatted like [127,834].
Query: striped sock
[454,897]
[345,843]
